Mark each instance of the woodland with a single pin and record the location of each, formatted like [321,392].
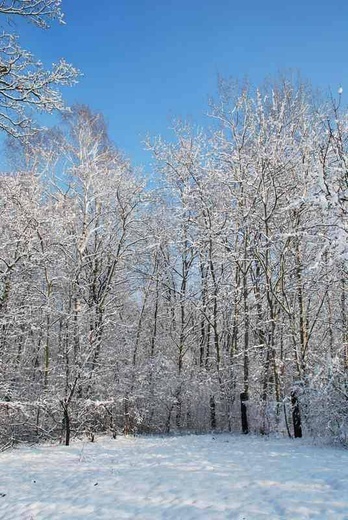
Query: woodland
[211,296]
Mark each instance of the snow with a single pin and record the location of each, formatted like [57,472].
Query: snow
[179,478]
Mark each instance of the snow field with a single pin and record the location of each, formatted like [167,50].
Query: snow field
[176,478]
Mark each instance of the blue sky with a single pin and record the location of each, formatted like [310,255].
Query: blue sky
[147,61]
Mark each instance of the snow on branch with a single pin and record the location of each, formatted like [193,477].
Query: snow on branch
[26,84]
[39,12]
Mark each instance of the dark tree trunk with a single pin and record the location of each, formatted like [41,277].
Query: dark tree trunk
[243,409]
[66,422]
[212,406]
[296,415]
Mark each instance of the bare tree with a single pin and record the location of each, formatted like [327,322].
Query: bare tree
[25,85]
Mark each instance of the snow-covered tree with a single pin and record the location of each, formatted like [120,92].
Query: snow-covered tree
[26,85]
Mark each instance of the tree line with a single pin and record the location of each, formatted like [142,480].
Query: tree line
[215,300]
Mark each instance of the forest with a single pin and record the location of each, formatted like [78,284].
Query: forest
[211,296]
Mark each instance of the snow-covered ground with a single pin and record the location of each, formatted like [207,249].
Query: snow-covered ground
[179,478]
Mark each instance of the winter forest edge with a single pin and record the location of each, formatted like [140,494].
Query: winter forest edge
[212,298]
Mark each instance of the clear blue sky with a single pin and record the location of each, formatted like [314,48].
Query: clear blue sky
[145,61]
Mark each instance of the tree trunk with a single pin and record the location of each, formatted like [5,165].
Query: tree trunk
[243,409]
[66,424]
[296,415]
[212,406]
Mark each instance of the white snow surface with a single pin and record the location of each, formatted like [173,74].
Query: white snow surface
[179,478]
